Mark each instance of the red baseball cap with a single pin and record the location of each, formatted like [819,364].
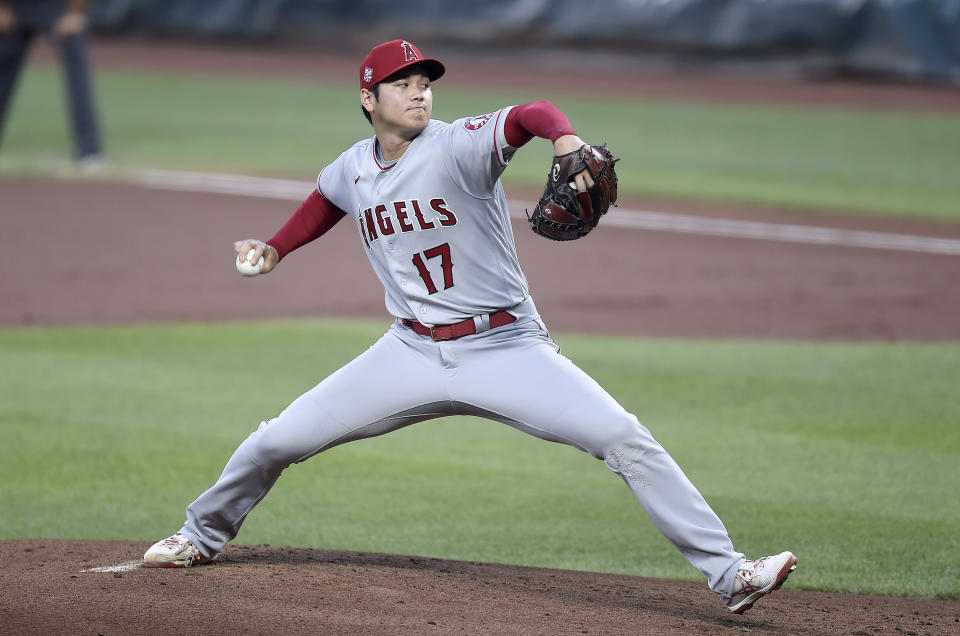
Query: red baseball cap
[386,59]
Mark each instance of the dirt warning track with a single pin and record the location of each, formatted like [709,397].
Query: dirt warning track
[97,252]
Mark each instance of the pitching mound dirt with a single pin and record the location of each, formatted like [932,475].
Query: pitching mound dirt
[55,586]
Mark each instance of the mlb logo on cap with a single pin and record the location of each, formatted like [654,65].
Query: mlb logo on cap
[386,59]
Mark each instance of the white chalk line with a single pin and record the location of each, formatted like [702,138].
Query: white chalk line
[122,567]
[291,190]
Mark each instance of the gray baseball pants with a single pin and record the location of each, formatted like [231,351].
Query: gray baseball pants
[513,374]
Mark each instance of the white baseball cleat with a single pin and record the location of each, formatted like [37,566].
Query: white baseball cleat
[174,552]
[758,578]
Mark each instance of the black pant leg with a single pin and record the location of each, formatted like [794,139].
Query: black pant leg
[13,50]
[86,130]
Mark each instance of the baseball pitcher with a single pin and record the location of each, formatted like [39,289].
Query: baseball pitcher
[426,199]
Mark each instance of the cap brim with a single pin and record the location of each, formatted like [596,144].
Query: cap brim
[435,69]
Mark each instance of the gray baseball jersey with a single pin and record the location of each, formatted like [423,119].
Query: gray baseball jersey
[436,228]
[436,220]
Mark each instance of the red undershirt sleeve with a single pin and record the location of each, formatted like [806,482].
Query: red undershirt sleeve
[313,219]
[537,119]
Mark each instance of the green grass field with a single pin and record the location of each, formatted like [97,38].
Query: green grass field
[847,454]
[903,165]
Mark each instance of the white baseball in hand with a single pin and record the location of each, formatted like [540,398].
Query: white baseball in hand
[247,267]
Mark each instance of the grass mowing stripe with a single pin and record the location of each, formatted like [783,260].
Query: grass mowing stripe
[846,454]
[876,163]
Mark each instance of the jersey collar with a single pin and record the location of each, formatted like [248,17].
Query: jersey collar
[382,163]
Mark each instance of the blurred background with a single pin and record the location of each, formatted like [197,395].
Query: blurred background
[840,105]
[906,39]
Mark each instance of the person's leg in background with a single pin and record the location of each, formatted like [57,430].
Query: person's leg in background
[13,50]
[86,129]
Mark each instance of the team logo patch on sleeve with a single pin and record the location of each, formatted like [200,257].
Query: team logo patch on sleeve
[476,123]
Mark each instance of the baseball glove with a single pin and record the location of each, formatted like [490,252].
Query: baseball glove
[563,214]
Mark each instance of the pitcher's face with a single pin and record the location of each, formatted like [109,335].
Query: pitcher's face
[404,104]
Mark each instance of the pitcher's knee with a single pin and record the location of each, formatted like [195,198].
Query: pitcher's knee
[273,448]
[620,432]
[631,444]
